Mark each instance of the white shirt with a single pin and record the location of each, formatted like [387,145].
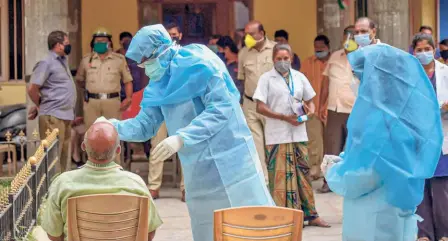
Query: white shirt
[441,72]
[275,93]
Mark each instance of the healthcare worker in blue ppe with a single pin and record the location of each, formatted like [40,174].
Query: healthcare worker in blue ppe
[394,143]
[191,90]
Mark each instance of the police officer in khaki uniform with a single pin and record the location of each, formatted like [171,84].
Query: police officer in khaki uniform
[100,73]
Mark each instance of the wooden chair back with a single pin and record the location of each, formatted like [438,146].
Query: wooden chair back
[108,217]
[258,223]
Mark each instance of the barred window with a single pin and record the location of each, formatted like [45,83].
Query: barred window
[12,63]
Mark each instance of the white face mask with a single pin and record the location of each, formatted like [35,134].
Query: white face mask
[354,85]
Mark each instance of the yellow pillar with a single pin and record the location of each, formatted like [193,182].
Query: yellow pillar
[298,17]
[429,15]
[115,15]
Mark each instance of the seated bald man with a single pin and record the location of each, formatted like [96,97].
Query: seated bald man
[100,175]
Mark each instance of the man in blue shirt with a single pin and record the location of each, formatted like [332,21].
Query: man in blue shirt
[53,91]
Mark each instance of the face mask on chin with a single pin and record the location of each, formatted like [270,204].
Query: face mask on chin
[222,56]
[444,54]
[321,54]
[126,45]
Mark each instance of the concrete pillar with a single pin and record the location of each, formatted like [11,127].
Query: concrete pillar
[392,19]
[331,21]
[42,17]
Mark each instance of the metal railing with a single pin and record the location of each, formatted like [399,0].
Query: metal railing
[18,142]
[19,203]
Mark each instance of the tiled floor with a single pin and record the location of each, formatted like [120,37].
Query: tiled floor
[176,225]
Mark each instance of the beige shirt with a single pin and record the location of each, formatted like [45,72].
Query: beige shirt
[103,76]
[253,63]
[341,97]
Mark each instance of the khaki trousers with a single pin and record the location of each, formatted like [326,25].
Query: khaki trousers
[155,174]
[47,122]
[109,108]
[315,131]
[256,123]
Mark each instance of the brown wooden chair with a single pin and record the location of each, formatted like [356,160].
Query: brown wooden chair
[258,223]
[108,217]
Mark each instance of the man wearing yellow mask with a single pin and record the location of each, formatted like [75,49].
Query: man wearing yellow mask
[254,60]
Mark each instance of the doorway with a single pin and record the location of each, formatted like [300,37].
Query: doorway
[196,20]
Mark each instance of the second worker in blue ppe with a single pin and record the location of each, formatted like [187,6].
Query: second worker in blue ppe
[191,90]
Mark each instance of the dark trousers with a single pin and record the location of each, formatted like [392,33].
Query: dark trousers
[335,133]
[434,209]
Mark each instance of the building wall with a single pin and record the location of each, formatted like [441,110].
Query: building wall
[298,17]
[115,15]
[429,14]
[12,94]
[392,19]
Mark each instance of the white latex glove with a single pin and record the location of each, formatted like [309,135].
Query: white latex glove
[328,162]
[101,119]
[167,148]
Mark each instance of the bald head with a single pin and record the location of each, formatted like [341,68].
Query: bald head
[365,31]
[364,25]
[101,142]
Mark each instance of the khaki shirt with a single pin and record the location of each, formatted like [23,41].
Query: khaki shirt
[341,97]
[253,63]
[103,76]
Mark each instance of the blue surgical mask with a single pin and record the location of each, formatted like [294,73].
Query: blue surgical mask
[425,58]
[154,69]
[321,54]
[363,40]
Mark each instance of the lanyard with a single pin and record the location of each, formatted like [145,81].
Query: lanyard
[291,88]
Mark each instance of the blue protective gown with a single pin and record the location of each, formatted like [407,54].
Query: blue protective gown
[393,144]
[199,102]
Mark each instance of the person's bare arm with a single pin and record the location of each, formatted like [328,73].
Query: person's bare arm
[60,238]
[310,108]
[324,92]
[151,235]
[34,93]
[264,109]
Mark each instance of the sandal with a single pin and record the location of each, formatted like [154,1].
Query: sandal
[318,222]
